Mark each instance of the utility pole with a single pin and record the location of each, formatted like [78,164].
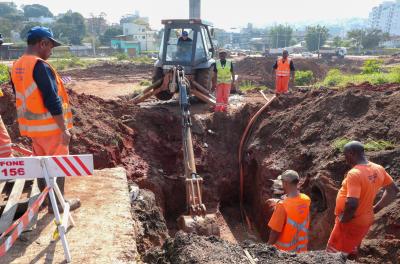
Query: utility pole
[319,41]
[93,36]
[194,9]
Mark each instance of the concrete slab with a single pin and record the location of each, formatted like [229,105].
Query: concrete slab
[104,231]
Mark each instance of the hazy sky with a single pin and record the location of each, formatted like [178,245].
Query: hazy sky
[223,13]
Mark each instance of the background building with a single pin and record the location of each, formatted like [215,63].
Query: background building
[386,17]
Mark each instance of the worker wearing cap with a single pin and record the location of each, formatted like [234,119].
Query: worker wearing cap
[290,220]
[43,108]
[355,200]
[284,70]
[223,81]
[5,140]
[184,47]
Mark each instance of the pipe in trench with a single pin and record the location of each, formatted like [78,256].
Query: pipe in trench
[241,169]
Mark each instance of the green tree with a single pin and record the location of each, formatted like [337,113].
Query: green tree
[280,36]
[315,37]
[24,31]
[10,18]
[70,28]
[337,42]
[111,32]
[36,10]
[8,9]
[367,39]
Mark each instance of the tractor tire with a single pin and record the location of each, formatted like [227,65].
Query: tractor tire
[157,75]
[204,78]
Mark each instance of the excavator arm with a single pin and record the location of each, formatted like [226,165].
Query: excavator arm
[197,220]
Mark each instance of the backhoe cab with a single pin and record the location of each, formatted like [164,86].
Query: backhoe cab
[193,52]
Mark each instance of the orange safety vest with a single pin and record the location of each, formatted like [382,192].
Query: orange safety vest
[294,237]
[283,68]
[34,118]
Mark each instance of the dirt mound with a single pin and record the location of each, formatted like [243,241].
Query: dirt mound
[98,129]
[299,132]
[152,230]
[111,70]
[259,70]
[186,248]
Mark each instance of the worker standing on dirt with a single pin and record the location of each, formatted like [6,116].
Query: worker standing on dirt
[5,140]
[43,109]
[284,70]
[223,81]
[354,203]
[290,220]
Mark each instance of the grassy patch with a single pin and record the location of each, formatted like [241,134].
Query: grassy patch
[145,83]
[4,75]
[72,62]
[335,78]
[369,145]
[142,60]
[303,78]
[372,66]
[135,60]
[249,85]
[122,57]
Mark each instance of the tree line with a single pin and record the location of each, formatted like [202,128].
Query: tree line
[315,37]
[70,27]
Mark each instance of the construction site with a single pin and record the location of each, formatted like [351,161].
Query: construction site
[176,182]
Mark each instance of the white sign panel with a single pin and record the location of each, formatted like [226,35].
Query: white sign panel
[57,166]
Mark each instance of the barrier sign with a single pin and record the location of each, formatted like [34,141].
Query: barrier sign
[48,168]
[59,166]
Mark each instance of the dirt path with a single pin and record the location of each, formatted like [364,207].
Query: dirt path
[104,89]
[104,232]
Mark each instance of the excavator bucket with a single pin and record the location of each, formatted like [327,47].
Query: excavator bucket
[202,225]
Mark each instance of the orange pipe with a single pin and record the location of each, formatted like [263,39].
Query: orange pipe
[241,169]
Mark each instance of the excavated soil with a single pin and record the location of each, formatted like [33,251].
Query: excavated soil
[296,132]
[259,70]
[196,249]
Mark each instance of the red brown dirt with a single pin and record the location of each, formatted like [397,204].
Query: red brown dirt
[259,70]
[297,132]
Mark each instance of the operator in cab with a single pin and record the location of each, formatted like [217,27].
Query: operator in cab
[184,47]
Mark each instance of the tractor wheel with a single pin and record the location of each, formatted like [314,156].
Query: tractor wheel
[157,75]
[204,78]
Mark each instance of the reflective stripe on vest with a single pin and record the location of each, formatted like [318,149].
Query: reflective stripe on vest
[296,239]
[294,236]
[33,117]
[283,68]
[224,74]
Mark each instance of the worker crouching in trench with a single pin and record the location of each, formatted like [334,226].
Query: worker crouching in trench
[290,220]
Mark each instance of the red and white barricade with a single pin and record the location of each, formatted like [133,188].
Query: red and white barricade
[48,168]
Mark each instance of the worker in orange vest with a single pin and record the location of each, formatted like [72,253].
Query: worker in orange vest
[355,207]
[5,140]
[283,69]
[290,220]
[43,109]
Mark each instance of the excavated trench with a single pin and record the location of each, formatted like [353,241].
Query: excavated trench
[296,132]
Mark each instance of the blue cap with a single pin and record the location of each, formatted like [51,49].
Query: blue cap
[42,32]
[185,33]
